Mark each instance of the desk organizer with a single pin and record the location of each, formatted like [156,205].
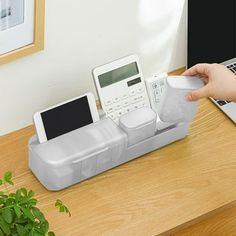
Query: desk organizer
[95,148]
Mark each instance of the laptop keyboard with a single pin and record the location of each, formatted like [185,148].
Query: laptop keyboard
[231,67]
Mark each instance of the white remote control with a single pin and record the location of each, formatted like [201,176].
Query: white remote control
[155,88]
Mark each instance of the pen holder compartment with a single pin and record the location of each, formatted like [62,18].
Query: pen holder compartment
[77,155]
[139,124]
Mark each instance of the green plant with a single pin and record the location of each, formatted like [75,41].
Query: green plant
[19,215]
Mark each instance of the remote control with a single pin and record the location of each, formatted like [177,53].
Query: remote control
[155,88]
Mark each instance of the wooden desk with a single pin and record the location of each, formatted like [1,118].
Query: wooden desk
[159,193]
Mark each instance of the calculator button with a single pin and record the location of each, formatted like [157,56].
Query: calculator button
[125,103]
[132,92]
[119,113]
[108,102]
[116,121]
[135,106]
[134,99]
[118,107]
[140,90]
[112,116]
[116,99]
[141,97]
[126,110]
[137,98]
[110,110]
[124,96]
[142,104]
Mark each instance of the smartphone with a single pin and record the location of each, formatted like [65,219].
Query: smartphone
[65,117]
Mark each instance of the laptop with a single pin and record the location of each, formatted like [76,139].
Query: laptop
[211,36]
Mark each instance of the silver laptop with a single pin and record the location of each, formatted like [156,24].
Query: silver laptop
[228,107]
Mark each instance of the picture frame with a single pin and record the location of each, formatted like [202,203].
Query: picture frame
[21,28]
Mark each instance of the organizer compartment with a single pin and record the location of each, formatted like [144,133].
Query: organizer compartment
[161,139]
[139,124]
[77,155]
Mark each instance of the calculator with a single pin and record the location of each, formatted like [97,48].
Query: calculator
[121,87]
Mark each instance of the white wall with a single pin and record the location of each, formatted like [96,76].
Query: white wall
[82,34]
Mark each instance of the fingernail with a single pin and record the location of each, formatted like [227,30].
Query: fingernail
[189,98]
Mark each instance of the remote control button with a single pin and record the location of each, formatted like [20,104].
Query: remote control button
[154,85]
[157,92]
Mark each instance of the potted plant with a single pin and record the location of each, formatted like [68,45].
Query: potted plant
[19,215]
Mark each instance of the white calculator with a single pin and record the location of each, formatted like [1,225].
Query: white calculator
[121,87]
[156,87]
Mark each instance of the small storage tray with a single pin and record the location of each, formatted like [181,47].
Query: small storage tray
[88,151]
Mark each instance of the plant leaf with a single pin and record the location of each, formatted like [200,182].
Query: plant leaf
[24,191]
[45,226]
[7,215]
[8,178]
[21,230]
[28,213]
[17,211]
[67,211]
[21,220]
[18,195]
[35,233]
[1,233]
[5,227]
[33,201]
[58,203]
[0,182]
[29,227]
[51,233]
[62,209]
[30,194]
[38,214]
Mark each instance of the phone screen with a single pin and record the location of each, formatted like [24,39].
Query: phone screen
[67,117]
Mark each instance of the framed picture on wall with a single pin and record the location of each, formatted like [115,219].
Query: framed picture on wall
[21,28]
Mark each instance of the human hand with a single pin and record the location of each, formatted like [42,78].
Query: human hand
[220,82]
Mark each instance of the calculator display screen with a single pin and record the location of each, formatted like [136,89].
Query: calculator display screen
[118,74]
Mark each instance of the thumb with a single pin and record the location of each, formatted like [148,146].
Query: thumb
[198,94]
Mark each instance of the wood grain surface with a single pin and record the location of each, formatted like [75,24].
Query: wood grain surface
[221,224]
[158,194]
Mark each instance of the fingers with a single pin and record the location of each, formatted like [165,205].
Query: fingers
[198,94]
[199,69]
